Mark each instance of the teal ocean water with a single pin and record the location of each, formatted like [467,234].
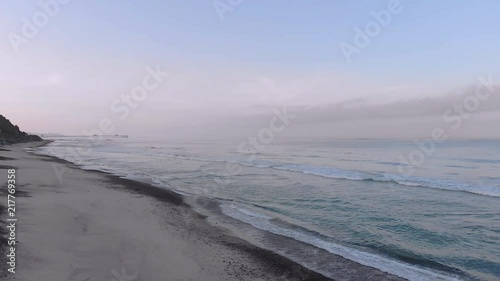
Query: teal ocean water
[342,197]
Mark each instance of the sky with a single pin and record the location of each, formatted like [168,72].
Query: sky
[206,69]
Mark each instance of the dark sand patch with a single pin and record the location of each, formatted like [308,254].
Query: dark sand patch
[6,158]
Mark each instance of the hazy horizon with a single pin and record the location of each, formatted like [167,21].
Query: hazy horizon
[228,71]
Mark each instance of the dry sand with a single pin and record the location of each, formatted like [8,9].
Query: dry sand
[86,226]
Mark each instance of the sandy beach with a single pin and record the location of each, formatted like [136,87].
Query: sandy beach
[83,225]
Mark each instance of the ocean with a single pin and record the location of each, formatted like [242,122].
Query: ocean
[332,197]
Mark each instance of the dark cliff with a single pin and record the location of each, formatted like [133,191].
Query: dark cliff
[9,133]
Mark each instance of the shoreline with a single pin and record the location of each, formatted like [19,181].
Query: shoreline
[186,221]
[254,262]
